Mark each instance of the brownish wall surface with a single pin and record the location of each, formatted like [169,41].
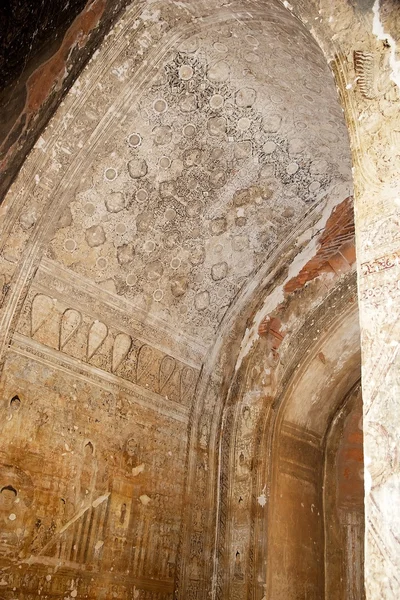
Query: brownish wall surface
[344,502]
[97,483]
[295,560]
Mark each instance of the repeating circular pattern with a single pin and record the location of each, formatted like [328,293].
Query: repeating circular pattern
[149,246]
[219,71]
[134,140]
[314,187]
[185,72]
[170,214]
[251,40]
[110,174]
[160,106]
[165,162]
[269,147]
[70,245]
[175,263]
[101,262]
[131,279]
[220,47]
[223,153]
[89,209]
[141,195]
[308,98]
[292,168]
[244,124]
[191,183]
[277,99]
[121,228]
[189,130]
[216,101]
[158,295]
[252,57]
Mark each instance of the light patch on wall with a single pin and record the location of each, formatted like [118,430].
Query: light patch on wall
[262,498]
[380,34]
[150,15]
[99,500]
[367,476]
[144,499]
[137,470]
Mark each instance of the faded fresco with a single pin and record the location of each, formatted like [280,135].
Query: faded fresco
[184,321]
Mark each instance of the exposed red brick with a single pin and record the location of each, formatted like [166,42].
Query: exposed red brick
[339,264]
[270,327]
[336,251]
[348,251]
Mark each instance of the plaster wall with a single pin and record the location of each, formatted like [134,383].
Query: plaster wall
[172,208]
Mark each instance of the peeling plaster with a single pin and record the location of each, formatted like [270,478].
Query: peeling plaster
[277,296]
[380,34]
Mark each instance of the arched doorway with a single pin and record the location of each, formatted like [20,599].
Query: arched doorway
[284,471]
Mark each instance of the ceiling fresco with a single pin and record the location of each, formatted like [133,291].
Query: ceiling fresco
[204,170]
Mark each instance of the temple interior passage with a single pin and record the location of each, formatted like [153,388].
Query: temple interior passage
[199,300]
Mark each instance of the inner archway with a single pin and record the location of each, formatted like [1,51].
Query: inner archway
[280,445]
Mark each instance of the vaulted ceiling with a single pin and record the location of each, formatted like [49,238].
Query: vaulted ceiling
[183,223]
[189,168]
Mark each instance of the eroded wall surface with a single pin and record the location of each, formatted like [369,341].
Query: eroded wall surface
[148,214]
[182,192]
[175,166]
